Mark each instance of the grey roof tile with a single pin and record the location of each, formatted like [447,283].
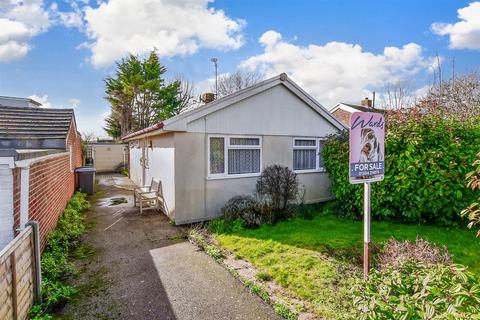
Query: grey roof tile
[22,127]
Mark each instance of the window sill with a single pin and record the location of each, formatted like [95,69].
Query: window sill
[310,171]
[233,176]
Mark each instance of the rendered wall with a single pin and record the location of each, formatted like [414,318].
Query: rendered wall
[161,164]
[200,198]
[276,111]
[108,157]
[135,169]
[190,174]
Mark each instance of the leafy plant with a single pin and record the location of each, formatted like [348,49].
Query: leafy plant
[284,312]
[425,159]
[473,211]
[242,207]
[55,259]
[417,291]
[279,184]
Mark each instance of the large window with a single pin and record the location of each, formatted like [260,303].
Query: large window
[307,154]
[234,155]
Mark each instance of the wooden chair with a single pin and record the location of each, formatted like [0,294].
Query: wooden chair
[150,197]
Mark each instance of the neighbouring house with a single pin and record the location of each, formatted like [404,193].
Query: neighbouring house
[343,111]
[207,155]
[18,102]
[107,156]
[39,151]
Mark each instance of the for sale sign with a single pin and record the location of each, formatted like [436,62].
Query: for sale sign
[367,147]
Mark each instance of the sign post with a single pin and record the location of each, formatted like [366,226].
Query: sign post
[367,164]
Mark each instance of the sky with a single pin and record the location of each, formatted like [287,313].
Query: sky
[59,52]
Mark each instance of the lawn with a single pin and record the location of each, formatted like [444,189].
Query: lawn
[312,259]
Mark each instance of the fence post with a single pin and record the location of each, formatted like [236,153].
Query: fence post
[13,268]
[36,256]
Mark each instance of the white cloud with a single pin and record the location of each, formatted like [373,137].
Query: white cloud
[42,99]
[208,85]
[171,27]
[464,34]
[19,22]
[72,18]
[91,122]
[337,71]
[74,102]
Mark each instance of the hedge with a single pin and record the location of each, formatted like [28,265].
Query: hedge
[426,160]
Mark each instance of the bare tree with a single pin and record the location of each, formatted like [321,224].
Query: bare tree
[397,96]
[186,95]
[88,137]
[458,96]
[234,82]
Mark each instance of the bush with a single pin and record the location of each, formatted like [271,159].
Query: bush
[244,208]
[279,185]
[425,166]
[418,292]
[396,253]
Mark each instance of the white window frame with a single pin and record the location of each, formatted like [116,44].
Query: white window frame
[228,146]
[316,147]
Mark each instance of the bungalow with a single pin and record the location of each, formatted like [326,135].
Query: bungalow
[343,111]
[209,154]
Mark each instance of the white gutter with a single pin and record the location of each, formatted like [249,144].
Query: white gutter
[155,132]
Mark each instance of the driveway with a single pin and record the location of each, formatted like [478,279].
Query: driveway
[144,268]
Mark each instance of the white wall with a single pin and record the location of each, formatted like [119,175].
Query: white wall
[135,169]
[6,205]
[108,157]
[161,163]
[276,111]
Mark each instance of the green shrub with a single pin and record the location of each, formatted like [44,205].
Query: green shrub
[425,166]
[55,258]
[242,207]
[418,292]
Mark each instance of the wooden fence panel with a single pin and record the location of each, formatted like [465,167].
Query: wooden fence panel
[17,277]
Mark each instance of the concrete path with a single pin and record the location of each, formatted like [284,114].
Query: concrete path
[199,288]
[145,269]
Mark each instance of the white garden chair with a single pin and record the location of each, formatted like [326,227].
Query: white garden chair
[150,197]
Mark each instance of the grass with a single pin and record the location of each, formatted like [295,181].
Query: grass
[312,259]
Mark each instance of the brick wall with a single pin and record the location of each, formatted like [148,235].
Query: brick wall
[343,116]
[52,184]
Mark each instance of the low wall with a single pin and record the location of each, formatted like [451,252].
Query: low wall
[17,277]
